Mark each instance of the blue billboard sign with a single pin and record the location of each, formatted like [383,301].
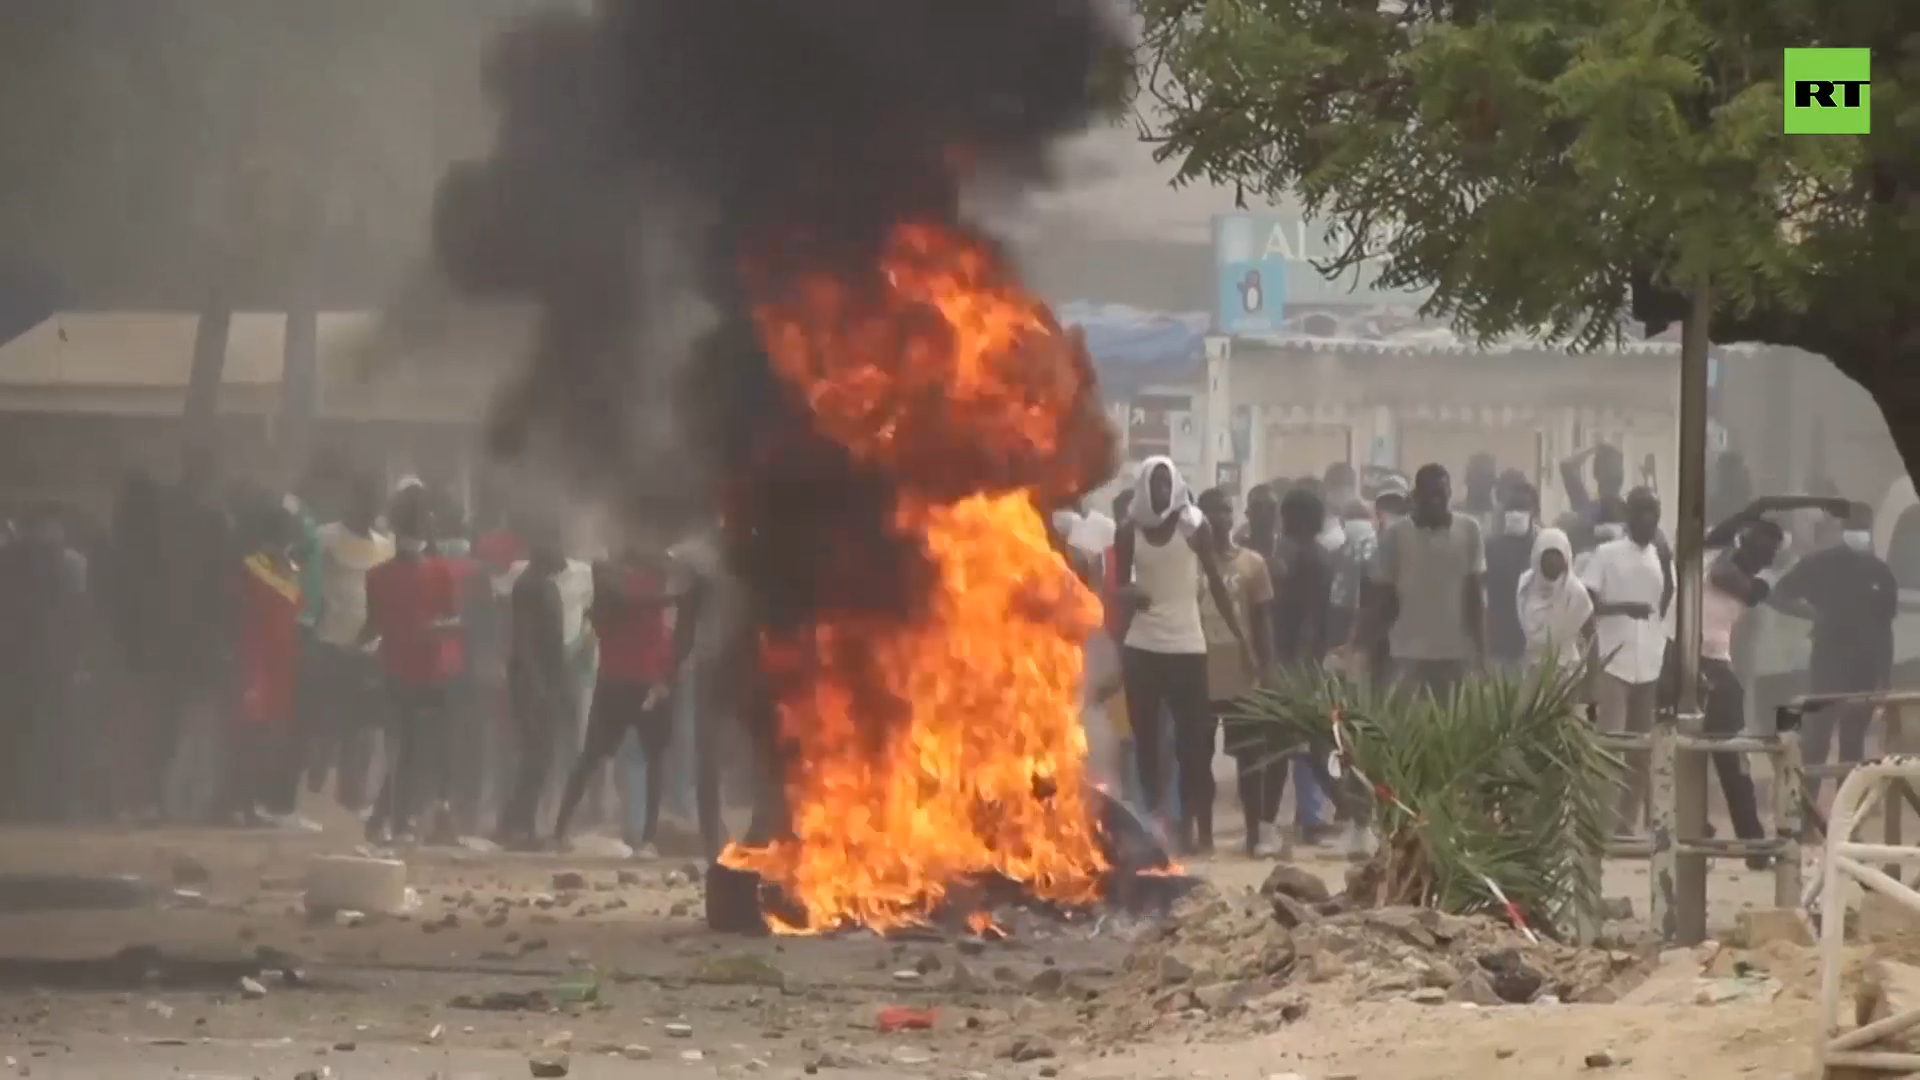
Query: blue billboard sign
[1250,275]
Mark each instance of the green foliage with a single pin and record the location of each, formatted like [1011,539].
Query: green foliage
[1506,779]
[1533,161]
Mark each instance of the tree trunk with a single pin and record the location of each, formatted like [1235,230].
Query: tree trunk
[299,388]
[201,426]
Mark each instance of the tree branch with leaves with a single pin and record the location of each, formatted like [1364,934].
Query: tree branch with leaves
[1556,167]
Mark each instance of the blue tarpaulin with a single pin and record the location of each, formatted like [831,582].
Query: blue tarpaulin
[1133,348]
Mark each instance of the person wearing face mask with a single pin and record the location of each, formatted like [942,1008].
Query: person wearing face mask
[1480,503]
[1510,552]
[1851,597]
[1632,585]
[1555,609]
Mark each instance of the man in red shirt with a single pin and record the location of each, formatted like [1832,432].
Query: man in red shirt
[638,658]
[413,612]
[267,598]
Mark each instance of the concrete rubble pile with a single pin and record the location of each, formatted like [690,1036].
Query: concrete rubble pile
[1262,960]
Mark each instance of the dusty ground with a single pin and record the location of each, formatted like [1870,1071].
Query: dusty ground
[380,999]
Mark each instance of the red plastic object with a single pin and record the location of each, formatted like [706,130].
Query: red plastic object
[905,1018]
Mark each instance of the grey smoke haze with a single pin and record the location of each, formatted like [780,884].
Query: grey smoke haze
[156,148]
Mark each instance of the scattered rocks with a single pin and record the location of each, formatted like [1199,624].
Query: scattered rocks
[1025,1048]
[251,990]
[1291,912]
[1174,971]
[628,877]
[678,1031]
[569,881]
[962,980]
[1051,981]
[636,1052]
[1512,978]
[742,969]
[1604,1059]
[189,871]
[1475,988]
[1300,884]
[505,1001]
[549,1065]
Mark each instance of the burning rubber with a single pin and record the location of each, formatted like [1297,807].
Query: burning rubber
[1141,881]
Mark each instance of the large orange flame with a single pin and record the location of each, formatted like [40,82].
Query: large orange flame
[948,377]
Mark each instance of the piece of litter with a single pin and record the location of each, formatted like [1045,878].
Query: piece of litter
[905,1018]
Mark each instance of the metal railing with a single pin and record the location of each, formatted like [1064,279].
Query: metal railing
[1673,736]
[1847,862]
[1888,709]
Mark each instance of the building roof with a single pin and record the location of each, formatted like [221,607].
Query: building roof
[363,367]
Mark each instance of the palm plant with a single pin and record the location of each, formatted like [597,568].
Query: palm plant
[1500,788]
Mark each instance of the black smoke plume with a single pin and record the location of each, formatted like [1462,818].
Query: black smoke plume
[800,131]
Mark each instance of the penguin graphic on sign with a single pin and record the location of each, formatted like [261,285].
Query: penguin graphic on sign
[1251,281]
[1252,299]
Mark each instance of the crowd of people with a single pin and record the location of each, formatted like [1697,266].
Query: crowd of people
[1375,577]
[210,654]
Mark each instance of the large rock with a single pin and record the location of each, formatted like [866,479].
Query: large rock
[1513,979]
[1291,912]
[1301,884]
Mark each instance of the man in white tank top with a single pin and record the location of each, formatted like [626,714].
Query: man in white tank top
[1163,551]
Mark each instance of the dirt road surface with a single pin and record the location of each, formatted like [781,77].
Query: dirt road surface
[477,983]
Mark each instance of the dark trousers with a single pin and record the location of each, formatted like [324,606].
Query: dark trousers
[1848,675]
[473,717]
[539,716]
[1726,714]
[419,751]
[1259,768]
[619,707]
[1177,681]
[1818,729]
